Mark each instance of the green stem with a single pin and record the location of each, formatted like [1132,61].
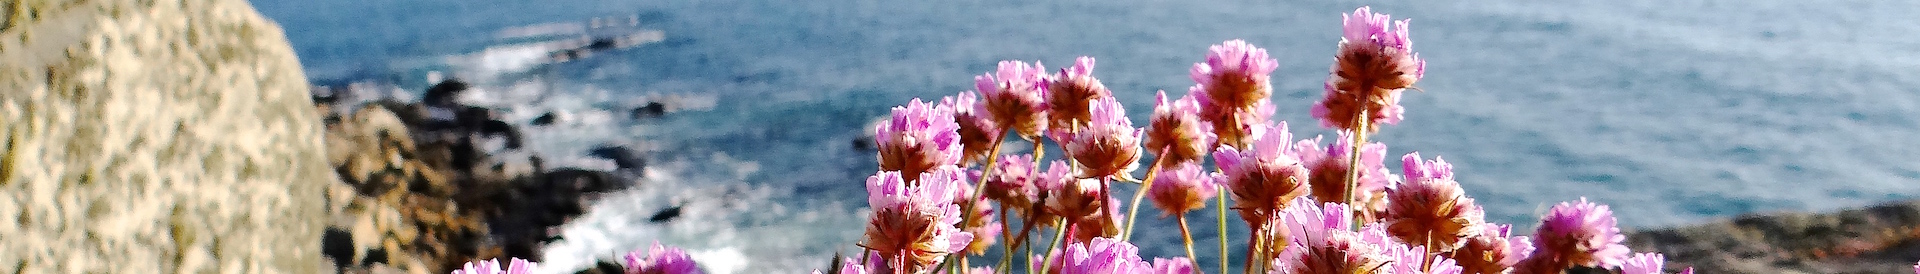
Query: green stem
[1006,240]
[1353,168]
[1186,237]
[1141,194]
[1223,228]
[1047,263]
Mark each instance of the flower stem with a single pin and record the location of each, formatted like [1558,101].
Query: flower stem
[1141,194]
[1353,167]
[1223,228]
[1047,263]
[1006,240]
[1186,237]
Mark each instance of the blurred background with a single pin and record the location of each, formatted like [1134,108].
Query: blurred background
[1673,112]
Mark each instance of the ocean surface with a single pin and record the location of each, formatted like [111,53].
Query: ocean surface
[1672,112]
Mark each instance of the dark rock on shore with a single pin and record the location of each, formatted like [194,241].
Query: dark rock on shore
[1878,239]
[421,195]
[624,158]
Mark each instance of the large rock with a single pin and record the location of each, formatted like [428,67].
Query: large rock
[155,136]
[1882,238]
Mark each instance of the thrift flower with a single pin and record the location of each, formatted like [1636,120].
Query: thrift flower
[1644,263]
[981,223]
[1430,208]
[1374,64]
[1341,252]
[1494,251]
[1099,224]
[1265,177]
[1328,165]
[1109,145]
[1582,234]
[1099,256]
[1236,74]
[1176,129]
[1015,182]
[516,266]
[913,226]
[1232,88]
[1014,96]
[1067,94]
[1183,187]
[977,131]
[661,260]
[1177,265]
[919,138]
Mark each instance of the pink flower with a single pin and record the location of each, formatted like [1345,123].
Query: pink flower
[1183,187]
[1264,177]
[920,137]
[1176,129]
[517,266]
[1101,256]
[1581,234]
[914,226]
[661,260]
[1015,182]
[1232,89]
[1177,265]
[1495,250]
[1235,74]
[1015,96]
[981,223]
[1109,145]
[1644,263]
[1432,210]
[1373,65]
[1328,165]
[1067,94]
[977,131]
[1340,252]
[1408,258]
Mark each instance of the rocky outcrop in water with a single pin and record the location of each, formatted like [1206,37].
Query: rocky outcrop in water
[1878,239]
[155,137]
[419,194]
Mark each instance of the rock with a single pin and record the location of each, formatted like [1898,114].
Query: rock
[167,136]
[444,93]
[1878,239]
[626,159]
[545,119]
[650,110]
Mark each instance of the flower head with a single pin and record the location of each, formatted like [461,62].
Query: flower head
[1177,265]
[915,225]
[1431,210]
[1177,129]
[1373,65]
[977,131]
[1015,182]
[661,259]
[981,223]
[1183,187]
[1067,94]
[1232,88]
[1340,252]
[1072,198]
[1328,165]
[1014,96]
[1264,177]
[1109,145]
[1236,74]
[1101,255]
[1494,251]
[1644,263]
[516,266]
[1101,223]
[1582,234]
[920,137]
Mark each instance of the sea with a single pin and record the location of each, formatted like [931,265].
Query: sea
[1671,112]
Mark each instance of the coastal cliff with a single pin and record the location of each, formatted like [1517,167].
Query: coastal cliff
[165,136]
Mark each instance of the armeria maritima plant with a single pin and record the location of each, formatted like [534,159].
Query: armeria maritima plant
[1015,97]
[660,259]
[1067,94]
[915,226]
[918,138]
[977,131]
[1575,234]
[1429,208]
[1232,89]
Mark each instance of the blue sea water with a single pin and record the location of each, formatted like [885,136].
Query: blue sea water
[1671,112]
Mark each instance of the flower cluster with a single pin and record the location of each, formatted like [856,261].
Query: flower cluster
[661,259]
[1311,206]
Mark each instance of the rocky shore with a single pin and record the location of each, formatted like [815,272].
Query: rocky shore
[1882,238]
[419,192]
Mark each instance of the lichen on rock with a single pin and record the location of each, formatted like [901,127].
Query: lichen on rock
[155,136]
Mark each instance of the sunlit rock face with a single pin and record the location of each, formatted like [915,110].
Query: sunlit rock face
[162,136]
